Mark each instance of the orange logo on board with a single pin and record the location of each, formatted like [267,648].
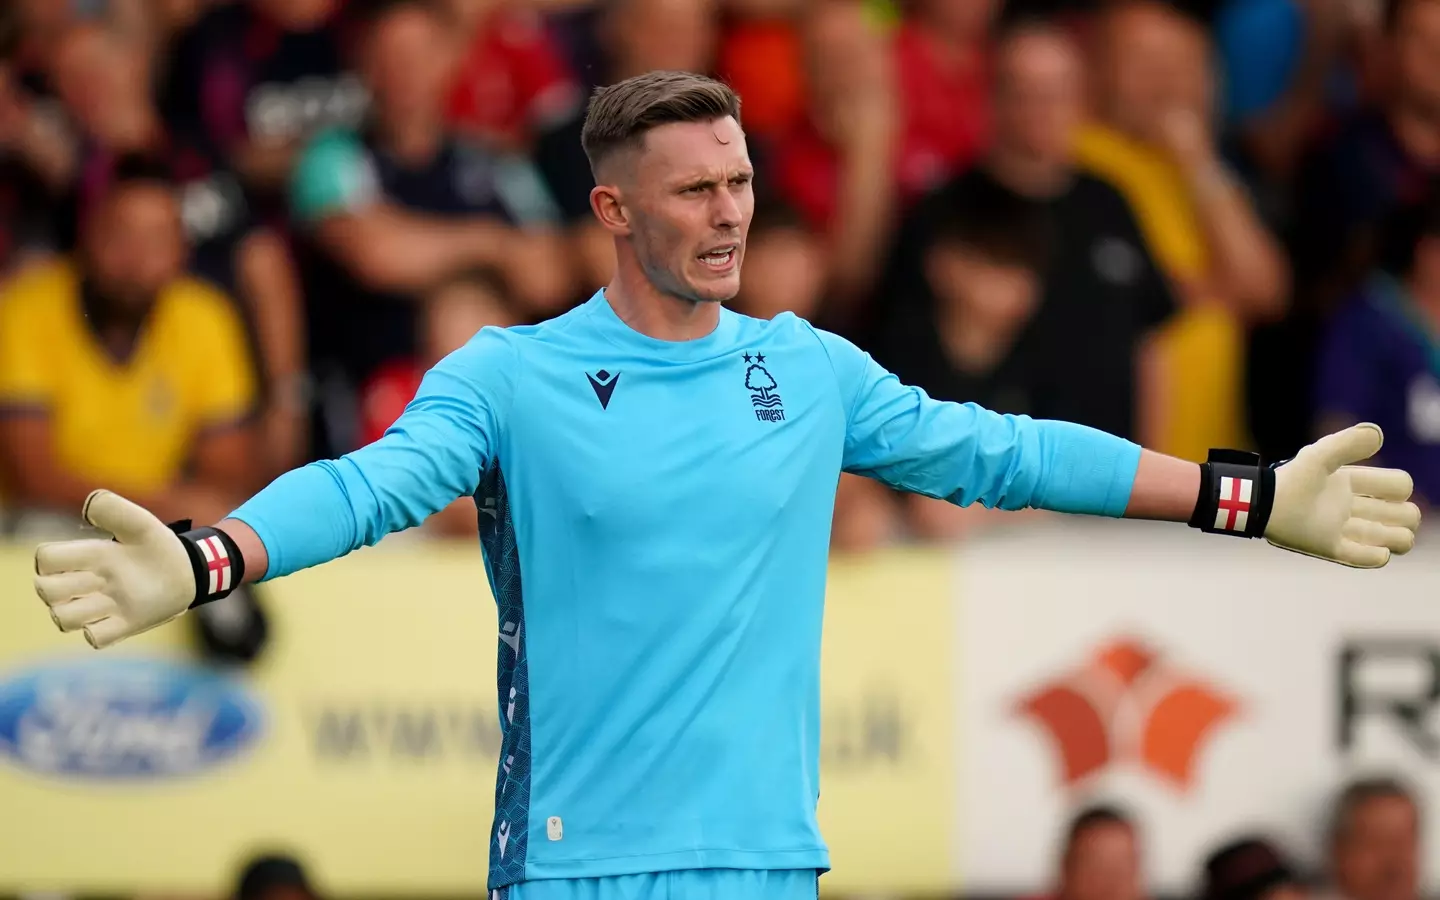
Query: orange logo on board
[1127,706]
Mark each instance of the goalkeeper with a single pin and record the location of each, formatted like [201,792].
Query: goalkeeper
[654,477]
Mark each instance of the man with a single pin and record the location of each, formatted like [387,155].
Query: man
[406,227]
[1151,140]
[1101,858]
[1100,281]
[654,477]
[1374,841]
[1379,359]
[101,77]
[114,367]
[1101,294]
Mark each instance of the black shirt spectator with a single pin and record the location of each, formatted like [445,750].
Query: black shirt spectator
[1100,295]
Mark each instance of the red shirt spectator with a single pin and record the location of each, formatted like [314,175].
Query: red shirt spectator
[513,78]
[946,126]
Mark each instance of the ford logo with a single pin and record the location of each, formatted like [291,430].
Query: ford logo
[124,719]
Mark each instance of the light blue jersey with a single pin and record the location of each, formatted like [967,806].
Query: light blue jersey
[655,519]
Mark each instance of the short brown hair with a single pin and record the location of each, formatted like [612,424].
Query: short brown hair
[621,113]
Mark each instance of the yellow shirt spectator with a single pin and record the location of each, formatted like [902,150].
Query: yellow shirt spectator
[126,424]
[1203,346]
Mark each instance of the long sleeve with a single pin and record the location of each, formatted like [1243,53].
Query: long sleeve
[434,454]
[965,454]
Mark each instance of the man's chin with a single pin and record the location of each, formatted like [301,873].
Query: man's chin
[717,290]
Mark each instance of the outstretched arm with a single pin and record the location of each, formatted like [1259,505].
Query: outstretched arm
[433,455]
[1319,504]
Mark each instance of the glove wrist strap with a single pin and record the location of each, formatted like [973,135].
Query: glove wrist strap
[1236,495]
[214,559]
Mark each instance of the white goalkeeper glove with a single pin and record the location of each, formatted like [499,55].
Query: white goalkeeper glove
[1329,508]
[149,574]
[1320,503]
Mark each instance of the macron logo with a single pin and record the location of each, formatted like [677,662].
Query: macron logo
[604,384]
[502,836]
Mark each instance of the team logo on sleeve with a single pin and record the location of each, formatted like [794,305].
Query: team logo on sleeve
[763,390]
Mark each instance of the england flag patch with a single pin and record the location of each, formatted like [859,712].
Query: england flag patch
[217,561]
[1232,510]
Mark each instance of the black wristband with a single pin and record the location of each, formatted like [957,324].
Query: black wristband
[1236,495]
[214,559]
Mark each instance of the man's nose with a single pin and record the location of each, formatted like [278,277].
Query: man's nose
[725,211]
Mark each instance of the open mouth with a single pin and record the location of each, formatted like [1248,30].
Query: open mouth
[719,258]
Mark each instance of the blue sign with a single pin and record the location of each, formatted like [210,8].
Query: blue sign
[124,719]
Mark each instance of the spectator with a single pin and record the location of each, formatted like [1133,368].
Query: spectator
[984,261]
[252,80]
[838,167]
[274,878]
[101,78]
[1374,841]
[515,91]
[116,369]
[1100,282]
[412,239]
[1380,357]
[1251,868]
[1379,161]
[1101,857]
[1152,141]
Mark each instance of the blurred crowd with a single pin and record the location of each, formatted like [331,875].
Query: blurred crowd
[234,234]
[1372,850]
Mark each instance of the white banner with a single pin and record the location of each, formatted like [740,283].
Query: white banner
[1210,685]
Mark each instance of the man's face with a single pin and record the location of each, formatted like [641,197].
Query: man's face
[408,63]
[689,201]
[1038,97]
[134,245]
[649,35]
[1417,54]
[988,295]
[1154,63]
[1376,858]
[1103,864]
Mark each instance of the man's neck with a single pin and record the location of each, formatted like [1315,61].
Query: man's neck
[655,314]
[1037,179]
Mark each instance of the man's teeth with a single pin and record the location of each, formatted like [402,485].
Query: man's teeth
[717,257]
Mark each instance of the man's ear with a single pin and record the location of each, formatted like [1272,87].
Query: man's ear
[606,203]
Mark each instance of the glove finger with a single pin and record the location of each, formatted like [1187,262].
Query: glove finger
[1352,445]
[1382,484]
[129,522]
[82,611]
[1392,537]
[69,556]
[1361,556]
[65,586]
[1386,512]
[106,631]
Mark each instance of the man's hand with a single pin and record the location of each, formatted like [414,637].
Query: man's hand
[1327,507]
[115,589]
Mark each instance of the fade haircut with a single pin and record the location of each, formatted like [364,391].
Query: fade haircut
[620,114]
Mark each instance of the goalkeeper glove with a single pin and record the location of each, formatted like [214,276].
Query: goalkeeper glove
[1319,504]
[149,574]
